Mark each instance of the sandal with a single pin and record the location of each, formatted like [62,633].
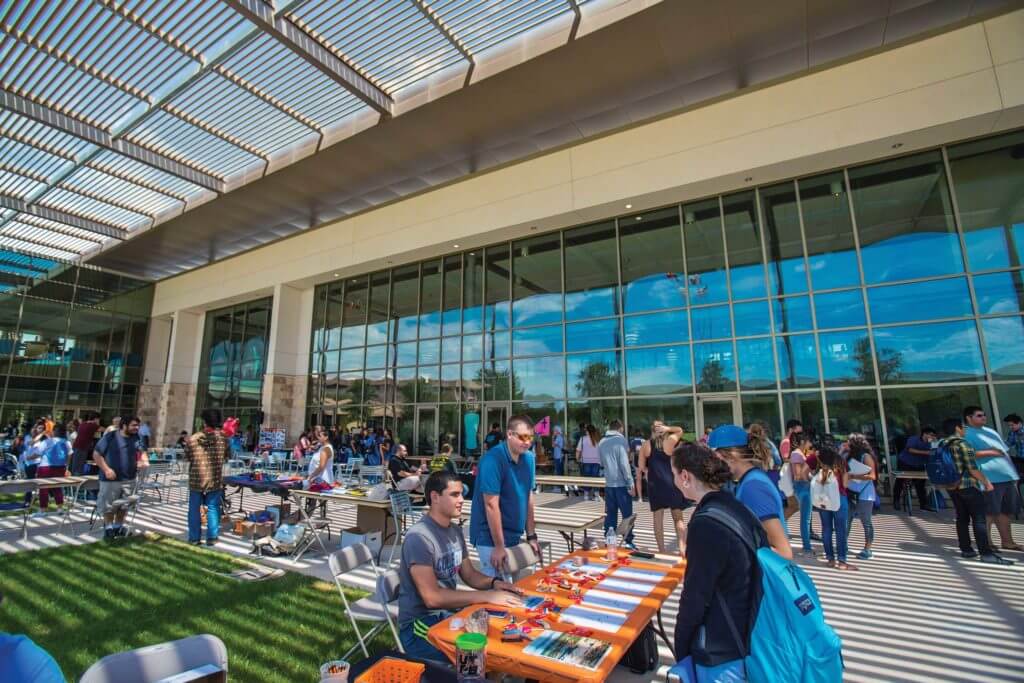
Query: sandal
[846,567]
[832,563]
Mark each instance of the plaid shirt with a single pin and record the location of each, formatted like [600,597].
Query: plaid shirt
[1015,440]
[963,458]
[206,452]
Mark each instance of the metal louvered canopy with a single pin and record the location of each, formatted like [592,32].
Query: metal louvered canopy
[117,115]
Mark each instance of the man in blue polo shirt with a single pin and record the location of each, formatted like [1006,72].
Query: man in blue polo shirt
[23,661]
[993,456]
[503,498]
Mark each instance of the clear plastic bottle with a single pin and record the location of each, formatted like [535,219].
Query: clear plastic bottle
[611,542]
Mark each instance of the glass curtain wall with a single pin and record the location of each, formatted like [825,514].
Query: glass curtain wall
[234,360]
[878,299]
[72,339]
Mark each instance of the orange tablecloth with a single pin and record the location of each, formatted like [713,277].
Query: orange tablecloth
[510,658]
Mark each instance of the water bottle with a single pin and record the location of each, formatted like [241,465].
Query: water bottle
[612,544]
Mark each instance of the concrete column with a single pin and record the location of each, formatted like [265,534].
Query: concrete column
[171,371]
[284,385]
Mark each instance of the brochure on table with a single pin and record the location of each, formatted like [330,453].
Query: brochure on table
[569,649]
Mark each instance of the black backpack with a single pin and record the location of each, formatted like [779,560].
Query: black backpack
[642,655]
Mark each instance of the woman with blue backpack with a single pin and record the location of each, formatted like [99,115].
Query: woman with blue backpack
[746,613]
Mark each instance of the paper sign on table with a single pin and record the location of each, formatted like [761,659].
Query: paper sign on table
[596,597]
[634,574]
[569,649]
[592,618]
[586,568]
[622,586]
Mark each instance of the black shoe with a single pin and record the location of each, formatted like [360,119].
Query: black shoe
[210,542]
[108,534]
[929,508]
[121,532]
[969,554]
[993,558]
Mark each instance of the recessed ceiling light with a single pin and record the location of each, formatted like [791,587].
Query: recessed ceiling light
[533,227]
[335,275]
[748,179]
[472,253]
[639,218]
[897,145]
[455,246]
[629,206]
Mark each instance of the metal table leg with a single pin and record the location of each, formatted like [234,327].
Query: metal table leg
[661,632]
[316,534]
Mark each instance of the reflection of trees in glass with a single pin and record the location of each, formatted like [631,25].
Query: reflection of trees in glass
[712,376]
[598,379]
[495,384]
[890,363]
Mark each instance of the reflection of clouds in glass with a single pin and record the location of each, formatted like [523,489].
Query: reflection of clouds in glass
[590,304]
[920,254]
[661,370]
[654,291]
[539,308]
[1003,338]
[941,350]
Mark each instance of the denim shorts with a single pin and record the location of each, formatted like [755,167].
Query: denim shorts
[1003,499]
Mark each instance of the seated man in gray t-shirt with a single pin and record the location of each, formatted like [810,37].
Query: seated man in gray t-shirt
[433,554]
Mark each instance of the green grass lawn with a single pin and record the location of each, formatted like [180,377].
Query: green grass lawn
[83,602]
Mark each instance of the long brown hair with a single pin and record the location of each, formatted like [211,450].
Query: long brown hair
[592,432]
[759,448]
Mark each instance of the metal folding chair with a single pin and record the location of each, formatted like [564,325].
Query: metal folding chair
[405,514]
[159,662]
[380,608]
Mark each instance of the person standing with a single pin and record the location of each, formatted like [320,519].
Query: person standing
[503,498]
[830,466]
[145,434]
[53,462]
[558,450]
[861,488]
[913,458]
[493,437]
[119,457]
[115,425]
[792,427]
[801,472]
[993,456]
[618,479]
[589,458]
[1015,441]
[656,467]
[434,555]
[206,451]
[82,446]
[968,497]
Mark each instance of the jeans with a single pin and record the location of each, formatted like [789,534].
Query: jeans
[212,501]
[416,646]
[617,499]
[970,512]
[835,521]
[864,510]
[590,469]
[30,473]
[559,466]
[802,490]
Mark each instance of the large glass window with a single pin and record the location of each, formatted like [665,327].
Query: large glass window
[591,272]
[798,361]
[705,253]
[908,411]
[999,292]
[792,314]
[473,292]
[430,299]
[715,367]
[743,237]
[655,328]
[787,272]
[676,411]
[752,318]
[377,320]
[905,219]
[661,370]
[595,334]
[652,261]
[594,374]
[855,411]
[1003,338]
[828,232]
[541,378]
[989,179]
[537,280]
[710,322]
[451,309]
[497,290]
[839,309]
[405,285]
[535,341]
[919,301]
[846,359]
[757,367]
[938,352]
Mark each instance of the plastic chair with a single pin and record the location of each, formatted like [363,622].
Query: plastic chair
[371,474]
[380,608]
[156,662]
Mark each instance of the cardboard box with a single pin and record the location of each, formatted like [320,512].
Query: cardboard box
[257,530]
[372,539]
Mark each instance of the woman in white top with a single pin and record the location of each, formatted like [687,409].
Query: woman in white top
[589,457]
[863,487]
[321,464]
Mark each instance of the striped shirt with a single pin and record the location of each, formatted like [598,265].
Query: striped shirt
[205,452]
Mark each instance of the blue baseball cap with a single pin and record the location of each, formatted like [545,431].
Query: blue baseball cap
[728,436]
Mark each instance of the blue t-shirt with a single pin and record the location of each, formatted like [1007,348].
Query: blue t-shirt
[55,452]
[513,483]
[557,446]
[121,453]
[908,459]
[757,492]
[999,468]
[23,660]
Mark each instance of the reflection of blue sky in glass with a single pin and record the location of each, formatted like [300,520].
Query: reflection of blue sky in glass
[451,321]
[538,309]
[798,361]
[933,353]
[663,370]
[472,347]
[597,334]
[655,328]
[497,344]
[838,358]
[714,366]
[604,366]
[830,271]
[752,318]
[990,248]
[757,368]
[788,276]
[451,351]
[708,287]
[377,333]
[906,257]
[651,292]
[1003,340]
[472,319]
[919,301]
[710,323]
[999,292]
[592,303]
[747,282]
[539,378]
[497,316]
[377,356]
[537,340]
[406,353]
[430,352]
[793,314]
[351,359]
[839,309]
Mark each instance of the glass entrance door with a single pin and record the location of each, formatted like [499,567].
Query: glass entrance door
[426,430]
[713,411]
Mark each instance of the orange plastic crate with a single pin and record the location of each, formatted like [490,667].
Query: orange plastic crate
[391,670]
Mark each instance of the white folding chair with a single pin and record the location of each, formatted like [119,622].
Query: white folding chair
[157,662]
[521,557]
[372,474]
[380,608]
[156,477]
[405,514]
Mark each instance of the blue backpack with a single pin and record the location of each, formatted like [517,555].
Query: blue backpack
[789,639]
[941,468]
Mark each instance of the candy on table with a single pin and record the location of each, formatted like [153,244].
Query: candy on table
[580,631]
